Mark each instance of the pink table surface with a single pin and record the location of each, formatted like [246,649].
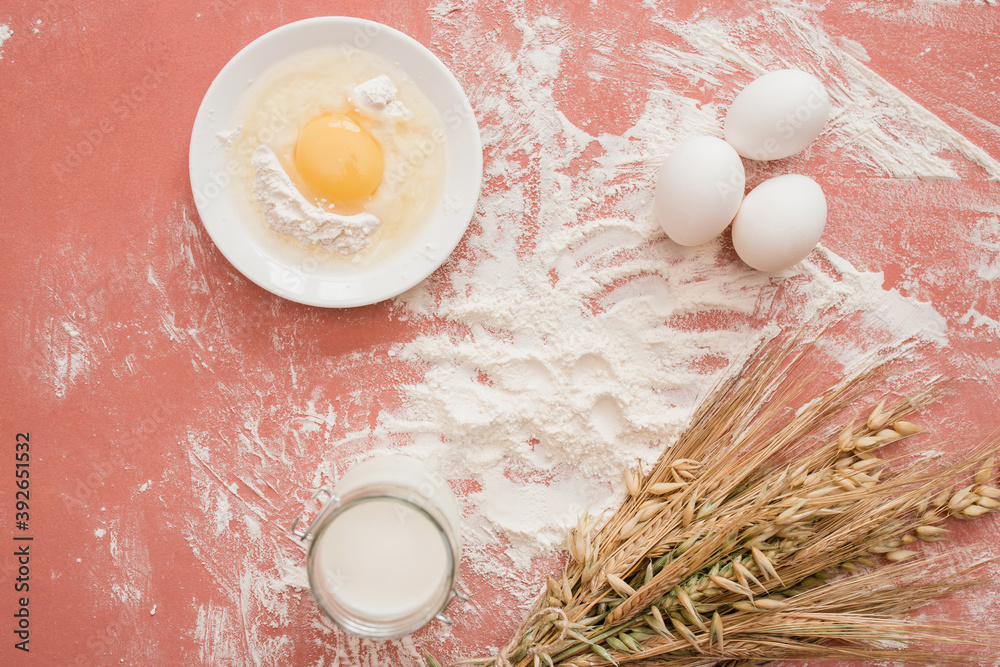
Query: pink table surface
[126,332]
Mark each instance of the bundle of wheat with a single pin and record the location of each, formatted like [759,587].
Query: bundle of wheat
[766,532]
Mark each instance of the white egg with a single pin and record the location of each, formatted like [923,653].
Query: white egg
[699,190]
[777,115]
[779,222]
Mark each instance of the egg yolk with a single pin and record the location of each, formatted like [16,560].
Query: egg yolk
[338,157]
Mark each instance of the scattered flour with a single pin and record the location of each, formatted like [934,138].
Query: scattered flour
[5,34]
[987,239]
[223,513]
[72,355]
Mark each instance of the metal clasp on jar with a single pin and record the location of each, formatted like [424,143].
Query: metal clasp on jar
[305,535]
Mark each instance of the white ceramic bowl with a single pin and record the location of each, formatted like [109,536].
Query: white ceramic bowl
[294,273]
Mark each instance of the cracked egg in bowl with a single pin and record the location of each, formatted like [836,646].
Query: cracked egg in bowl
[335,162]
[339,149]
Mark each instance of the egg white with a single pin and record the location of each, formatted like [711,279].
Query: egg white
[298,89]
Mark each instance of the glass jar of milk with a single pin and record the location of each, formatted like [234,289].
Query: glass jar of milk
[384,549]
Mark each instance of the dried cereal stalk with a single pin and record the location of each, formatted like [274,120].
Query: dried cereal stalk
[766,533]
